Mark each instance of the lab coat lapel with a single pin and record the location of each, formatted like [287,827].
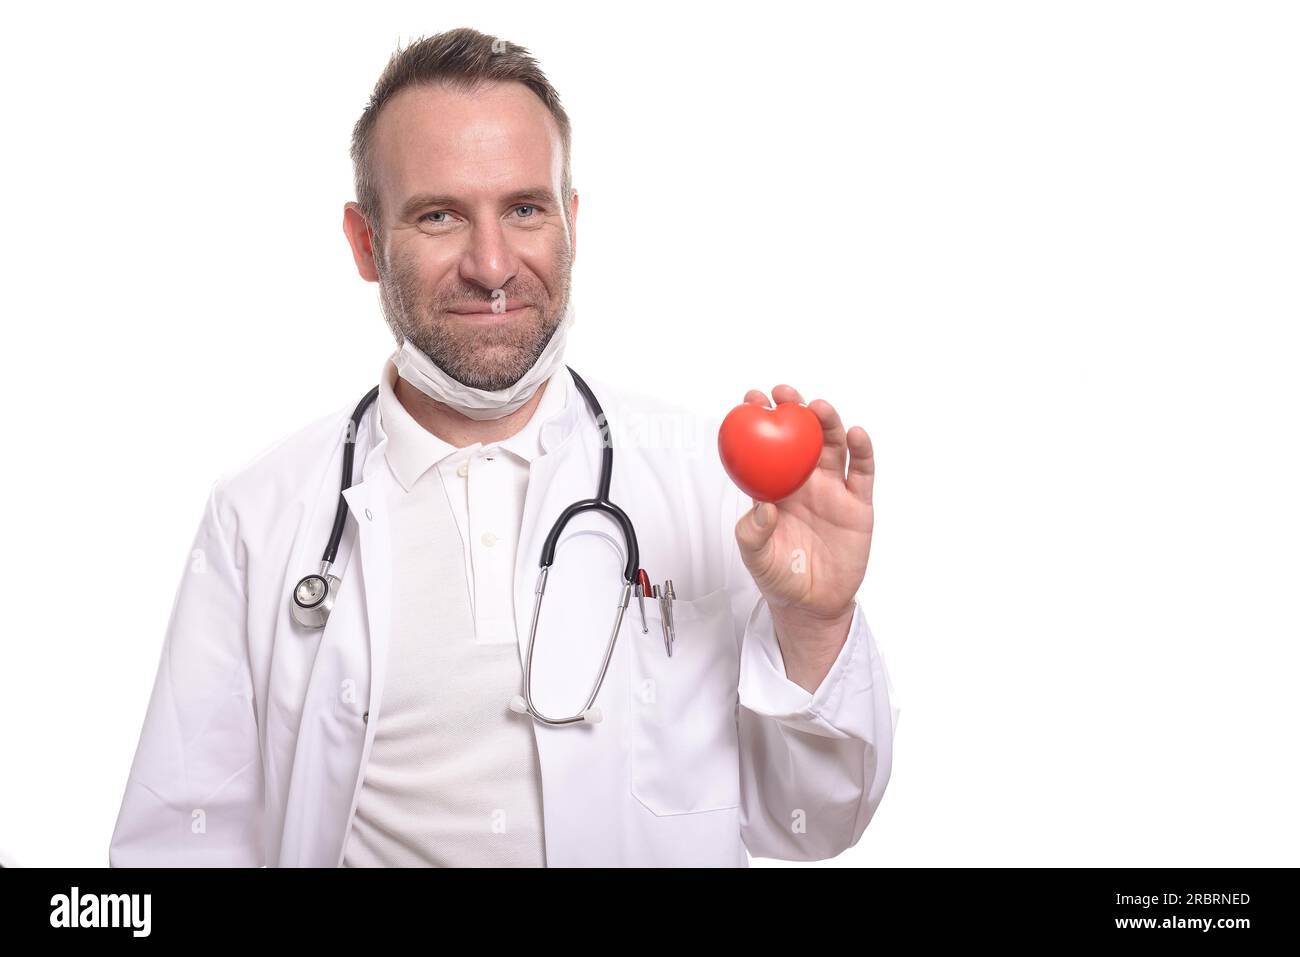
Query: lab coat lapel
[565,473]
[368,503]
[582,765]
[334,740]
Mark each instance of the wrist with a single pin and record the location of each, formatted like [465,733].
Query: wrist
[811,643]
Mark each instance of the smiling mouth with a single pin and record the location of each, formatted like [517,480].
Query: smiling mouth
[487,313]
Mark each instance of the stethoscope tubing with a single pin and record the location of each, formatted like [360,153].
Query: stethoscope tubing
[349,450]
[319,589]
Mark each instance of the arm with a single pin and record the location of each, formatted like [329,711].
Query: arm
[194,793]
[814,764]
[815,717]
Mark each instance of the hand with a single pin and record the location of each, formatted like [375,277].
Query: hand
[808,556]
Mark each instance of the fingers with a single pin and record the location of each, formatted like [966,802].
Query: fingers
[786,393]
[781,393]
[754,529]
[834,444]
[862,463]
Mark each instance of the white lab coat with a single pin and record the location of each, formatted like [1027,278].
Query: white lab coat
[257,732]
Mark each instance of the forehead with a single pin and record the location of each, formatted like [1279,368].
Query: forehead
[472,143]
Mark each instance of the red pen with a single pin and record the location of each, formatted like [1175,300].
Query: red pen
[642,589]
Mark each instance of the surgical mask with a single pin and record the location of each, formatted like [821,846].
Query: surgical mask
[419,370]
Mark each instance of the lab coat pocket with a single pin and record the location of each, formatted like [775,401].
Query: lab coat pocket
[683,738]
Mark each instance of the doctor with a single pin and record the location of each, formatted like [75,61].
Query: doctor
[387,737]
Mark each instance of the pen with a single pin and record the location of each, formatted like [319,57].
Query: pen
[672,629]
[663,620]
[642,589]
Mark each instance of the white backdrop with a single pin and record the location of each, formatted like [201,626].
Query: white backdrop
[1045,253]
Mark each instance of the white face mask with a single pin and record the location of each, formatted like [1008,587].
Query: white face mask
[419,370]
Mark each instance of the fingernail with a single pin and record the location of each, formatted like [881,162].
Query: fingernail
[760,515]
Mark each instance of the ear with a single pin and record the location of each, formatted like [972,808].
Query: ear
[573,224]
[361,239]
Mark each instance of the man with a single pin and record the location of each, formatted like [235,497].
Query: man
[387,738]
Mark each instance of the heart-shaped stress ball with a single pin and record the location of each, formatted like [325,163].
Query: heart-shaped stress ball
[767,452]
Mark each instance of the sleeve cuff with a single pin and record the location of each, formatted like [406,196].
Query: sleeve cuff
[766,690]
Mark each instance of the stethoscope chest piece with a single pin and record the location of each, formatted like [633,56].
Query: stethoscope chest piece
[313,597]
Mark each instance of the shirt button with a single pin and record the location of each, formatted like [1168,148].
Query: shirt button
[489,539]
[463,469]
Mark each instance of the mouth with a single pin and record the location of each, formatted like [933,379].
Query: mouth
[484,312]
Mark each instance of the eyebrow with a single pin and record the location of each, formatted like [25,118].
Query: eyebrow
[534,194]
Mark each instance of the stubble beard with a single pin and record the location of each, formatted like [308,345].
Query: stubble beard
[491,356]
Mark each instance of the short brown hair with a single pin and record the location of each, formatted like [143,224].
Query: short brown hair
[463,59]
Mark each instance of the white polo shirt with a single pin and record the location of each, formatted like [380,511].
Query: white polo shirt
[453,777]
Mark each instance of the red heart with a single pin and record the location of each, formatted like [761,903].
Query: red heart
[769,453]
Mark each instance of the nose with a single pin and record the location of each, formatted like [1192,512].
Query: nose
[489,261]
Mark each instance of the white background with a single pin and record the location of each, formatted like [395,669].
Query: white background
[1045,253]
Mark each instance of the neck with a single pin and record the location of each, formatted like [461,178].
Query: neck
[457,429]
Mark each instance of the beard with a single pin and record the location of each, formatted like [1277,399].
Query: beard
[490,356]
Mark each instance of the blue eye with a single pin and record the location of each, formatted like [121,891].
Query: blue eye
[533,208]
[441,212]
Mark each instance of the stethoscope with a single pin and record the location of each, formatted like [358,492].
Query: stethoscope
[314,595]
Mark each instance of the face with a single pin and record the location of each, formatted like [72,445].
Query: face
[474,254]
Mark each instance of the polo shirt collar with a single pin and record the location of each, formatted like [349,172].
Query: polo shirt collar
[411,449]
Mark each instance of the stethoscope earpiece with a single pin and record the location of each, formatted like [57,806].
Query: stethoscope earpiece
[592,715]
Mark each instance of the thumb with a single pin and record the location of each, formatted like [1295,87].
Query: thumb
[756,526]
